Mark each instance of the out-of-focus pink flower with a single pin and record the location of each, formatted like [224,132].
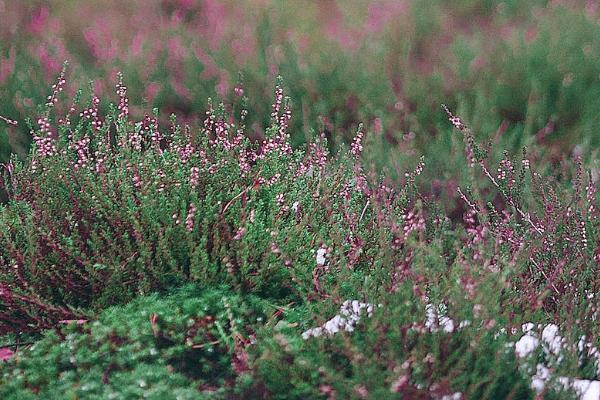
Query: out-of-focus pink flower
[152,90]
[38,20]
[6,353]
[135,48]
[186,4]
[100,40]
[48,60]
[215,14]
[380,13]
[7,65]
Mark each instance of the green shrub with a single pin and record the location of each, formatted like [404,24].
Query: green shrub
[108,208]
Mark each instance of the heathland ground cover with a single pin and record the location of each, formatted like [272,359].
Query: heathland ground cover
[411,212]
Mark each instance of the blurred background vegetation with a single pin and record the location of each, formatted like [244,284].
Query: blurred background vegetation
[521,73]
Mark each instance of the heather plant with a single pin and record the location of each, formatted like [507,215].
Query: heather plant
[334,279]
[118,208]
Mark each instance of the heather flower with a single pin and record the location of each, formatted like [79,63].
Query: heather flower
[57,88]
[123,106]
[92,114]
[296,206]
[194,177]
[239,233]
[356,146]
[81,147]
[454,119]
[8,121]
[189,220]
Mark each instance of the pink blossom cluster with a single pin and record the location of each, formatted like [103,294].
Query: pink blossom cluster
[57,88]
[413,222]
[189,220]
[93,114]
[356,147]
[315,159]
[81,146]
[123,106]
[506,171]
[150,126]
[194,177]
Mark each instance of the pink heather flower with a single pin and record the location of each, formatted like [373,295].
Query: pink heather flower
[418,169]
[284,119]
[43,139]
[281,203]
[189,221]
[413,223]
[315,158]
[81,146]
[506,170]
[194,177]
[135,139]
[9,121]
[100,159]
[137,181]
[590,196]
[244,162]
[267,182]
[57,88]
[185,152]
[274,248]
[584,240]
[240,233]
[420,166]
[454,119]
[278,101]
[356,146]
[280,141]
[92,114]
[7,66]
[476,231]
[150,126]
[70,321]
[280,199]
[123,106]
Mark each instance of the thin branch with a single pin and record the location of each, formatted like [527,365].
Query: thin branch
[545,276]
[236,197]
[362,214]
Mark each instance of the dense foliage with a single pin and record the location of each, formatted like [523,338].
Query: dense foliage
[419,219]
[108,208]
